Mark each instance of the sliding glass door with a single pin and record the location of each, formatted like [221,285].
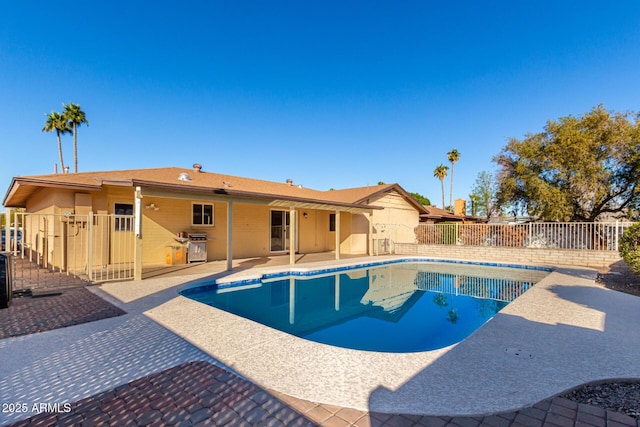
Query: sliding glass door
[279,231]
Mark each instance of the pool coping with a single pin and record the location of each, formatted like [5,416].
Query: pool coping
[559,334]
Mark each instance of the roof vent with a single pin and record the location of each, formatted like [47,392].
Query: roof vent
[289,181]
[197,167]
[184,177]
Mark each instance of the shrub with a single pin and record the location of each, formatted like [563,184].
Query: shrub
[629,247]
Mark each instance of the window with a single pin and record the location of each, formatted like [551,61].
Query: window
[202,214]
[123,223]
[332,222]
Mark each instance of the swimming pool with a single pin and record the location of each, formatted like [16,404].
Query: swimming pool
[396,307]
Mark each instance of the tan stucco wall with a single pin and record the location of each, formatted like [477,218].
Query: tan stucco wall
[314,231]
[397,220]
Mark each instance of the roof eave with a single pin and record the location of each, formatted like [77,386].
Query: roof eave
[248,194]
[419,207]
[18,182]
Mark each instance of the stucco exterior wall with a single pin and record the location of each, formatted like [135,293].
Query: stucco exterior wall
[314,235]
[397,220]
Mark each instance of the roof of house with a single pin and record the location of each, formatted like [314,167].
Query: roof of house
[435,213]
[197,182]
[442,214]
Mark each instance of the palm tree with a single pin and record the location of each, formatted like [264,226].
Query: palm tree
[441,173]
[57,122]
[76,117]
[453,156]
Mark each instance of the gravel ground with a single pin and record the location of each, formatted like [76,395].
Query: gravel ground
[623,397]
[619,396]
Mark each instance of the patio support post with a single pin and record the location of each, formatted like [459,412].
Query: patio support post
[292,236]
[370,248]
[337,234]
[229,236]
[137,223]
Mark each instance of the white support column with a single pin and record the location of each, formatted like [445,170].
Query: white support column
[293,234]
[337,234]
[137,224]
[370,249]
[229,236]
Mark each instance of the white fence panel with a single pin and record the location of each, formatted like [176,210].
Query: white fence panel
[592,236]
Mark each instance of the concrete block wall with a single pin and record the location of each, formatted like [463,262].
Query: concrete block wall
[593,259]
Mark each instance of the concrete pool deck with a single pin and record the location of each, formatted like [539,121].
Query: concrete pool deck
[563,332]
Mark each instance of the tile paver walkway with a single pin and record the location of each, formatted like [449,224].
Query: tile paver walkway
[202,394]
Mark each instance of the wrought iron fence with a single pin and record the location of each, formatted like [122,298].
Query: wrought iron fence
[595,236]
[67,249]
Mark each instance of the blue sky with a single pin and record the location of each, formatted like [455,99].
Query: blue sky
[331,94]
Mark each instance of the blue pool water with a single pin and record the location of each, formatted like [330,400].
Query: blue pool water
[395,307]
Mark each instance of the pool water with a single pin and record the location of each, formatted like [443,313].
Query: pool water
[400,307]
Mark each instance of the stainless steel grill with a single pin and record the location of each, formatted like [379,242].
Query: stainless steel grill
[197,247]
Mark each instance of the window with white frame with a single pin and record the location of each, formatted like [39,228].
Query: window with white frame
[123,221]
[202,214]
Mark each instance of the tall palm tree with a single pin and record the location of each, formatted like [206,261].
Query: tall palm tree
[57,122]
[75,117]
[441,173]
[453,156]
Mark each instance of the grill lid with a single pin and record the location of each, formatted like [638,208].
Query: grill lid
[197,236]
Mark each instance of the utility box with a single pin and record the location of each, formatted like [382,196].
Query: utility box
[176,254]
[6,281]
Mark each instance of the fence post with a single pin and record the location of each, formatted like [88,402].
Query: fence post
[90,246]
[615,243]
[7,230]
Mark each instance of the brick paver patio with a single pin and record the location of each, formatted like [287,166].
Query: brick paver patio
[202,394]
[71,307]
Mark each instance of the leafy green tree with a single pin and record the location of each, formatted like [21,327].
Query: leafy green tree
[421,199]
[629,247]
[453,156]
[441,173]
[484,196]
[577,169]
[76,118]
[57,122]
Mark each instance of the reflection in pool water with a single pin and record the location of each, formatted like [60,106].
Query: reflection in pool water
[402,307]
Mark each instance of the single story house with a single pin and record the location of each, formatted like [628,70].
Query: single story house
[162,211]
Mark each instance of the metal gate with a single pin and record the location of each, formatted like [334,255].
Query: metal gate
[66,250]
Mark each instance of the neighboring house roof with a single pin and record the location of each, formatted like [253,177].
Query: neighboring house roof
[438,214]
[199,182]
